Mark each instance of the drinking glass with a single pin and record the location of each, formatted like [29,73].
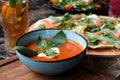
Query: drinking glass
[15,21]
[114,8]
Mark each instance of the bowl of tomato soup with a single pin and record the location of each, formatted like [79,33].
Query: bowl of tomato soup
[51,51]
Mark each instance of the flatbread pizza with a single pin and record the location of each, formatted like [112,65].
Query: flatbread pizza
[100,31]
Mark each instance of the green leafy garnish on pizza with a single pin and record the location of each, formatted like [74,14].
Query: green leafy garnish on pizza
[100,31]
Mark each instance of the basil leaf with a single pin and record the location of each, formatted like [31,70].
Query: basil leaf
[111,38]
[38,42]
[54,19]
[26,51]
[49,52]
[67,17]
[41,43]
[93,39]
[108,24]
[57,40]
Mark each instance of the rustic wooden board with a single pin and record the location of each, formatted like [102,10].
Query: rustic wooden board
[107,52]
[8,60]
[17,71]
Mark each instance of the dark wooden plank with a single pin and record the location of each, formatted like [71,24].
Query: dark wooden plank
[17,71]
[107,52]
[8,60]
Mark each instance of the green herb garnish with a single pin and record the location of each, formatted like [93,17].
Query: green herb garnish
[94,39]
[13,2]
[25,50]
[44,46]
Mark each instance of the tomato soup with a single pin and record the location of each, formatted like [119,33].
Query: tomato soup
[67,49]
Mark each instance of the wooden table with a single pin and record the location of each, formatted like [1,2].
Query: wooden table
[15,70]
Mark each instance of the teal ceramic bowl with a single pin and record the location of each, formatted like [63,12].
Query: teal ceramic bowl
[51,67]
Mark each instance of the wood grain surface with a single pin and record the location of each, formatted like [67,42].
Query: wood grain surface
[17,71]
[8,60]
[107,52]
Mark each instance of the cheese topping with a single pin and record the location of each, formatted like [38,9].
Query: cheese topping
[56,51]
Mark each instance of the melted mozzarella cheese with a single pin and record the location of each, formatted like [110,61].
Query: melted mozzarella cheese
[93,18]
[117,27]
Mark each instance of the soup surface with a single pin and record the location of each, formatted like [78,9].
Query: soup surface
[67,49]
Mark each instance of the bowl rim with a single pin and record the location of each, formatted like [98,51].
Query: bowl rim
[83,52]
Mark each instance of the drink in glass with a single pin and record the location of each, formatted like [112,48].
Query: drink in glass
[114,8]
[15,21]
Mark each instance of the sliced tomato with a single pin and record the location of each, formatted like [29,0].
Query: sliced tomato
[76,16]
[68,7]
[103,42]
[69,23]
[97,6]
[98,33]
[98,22]
[48,24]
[116,34]
[54,1]
[57,24]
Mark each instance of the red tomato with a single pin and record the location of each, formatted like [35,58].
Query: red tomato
[116,34]
[76,16]
[68,7]
[99,22]
[97,6]
[54,1]
[103,42]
